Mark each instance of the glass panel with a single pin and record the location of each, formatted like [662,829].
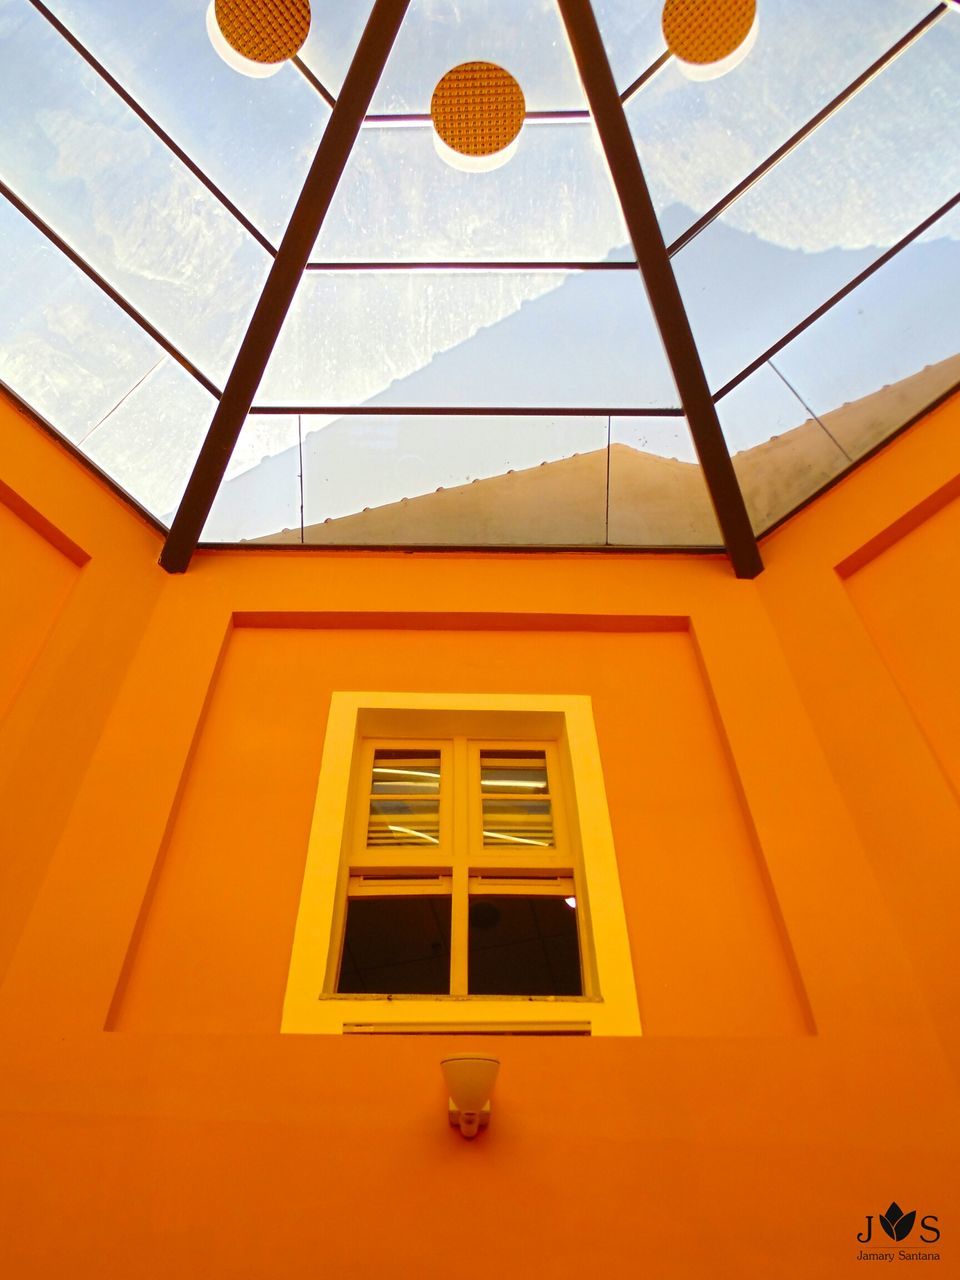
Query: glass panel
[261,492]
[253,138]
[697,140]
[398,772]
[403,822]
[528,39]
[396,946]
[65,348]
[335,31]
[92,169]
[658,496]
[888,349]
[150,442]
[522,772]
[399,812]
[399,201]
[517,822]
[516,804]
[523,946]
[781,453]
[863,180]
[632,35]
[538,339]
[445,481]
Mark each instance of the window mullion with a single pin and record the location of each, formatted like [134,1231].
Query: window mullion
[460,905]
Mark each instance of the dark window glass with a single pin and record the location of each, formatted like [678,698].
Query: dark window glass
[397,946]
[523,946]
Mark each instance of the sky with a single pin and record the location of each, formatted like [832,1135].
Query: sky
[89,167]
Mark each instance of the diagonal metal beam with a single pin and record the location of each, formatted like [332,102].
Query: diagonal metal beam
[281,285]
[661,285]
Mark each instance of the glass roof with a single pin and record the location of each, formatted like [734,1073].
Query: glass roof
[471,358]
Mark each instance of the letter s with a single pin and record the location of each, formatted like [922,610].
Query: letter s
[925,1224]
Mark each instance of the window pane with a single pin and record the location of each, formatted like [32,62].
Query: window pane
[403,822]
[509,781]
[523,946]
[517,821]
[522,771]
[402,772]
[396,946]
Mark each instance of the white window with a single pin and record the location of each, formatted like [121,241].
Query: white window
[452,881]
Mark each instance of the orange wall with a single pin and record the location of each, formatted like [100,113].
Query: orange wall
[781,766]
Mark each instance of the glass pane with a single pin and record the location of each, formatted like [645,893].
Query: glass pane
[398,772]
[444,480]
[860,182]
[253,138]
[399,201]
[150,442]
[449,339]
[888,349]
[69,351]
[632,35]
[335,31]
[872,362]
[517,822]
[403,822]
[523,946]
[261,493]
[528,39]
[396,946]
[83,160]
[697,140]
[658,496]
[514,772]
[781,453]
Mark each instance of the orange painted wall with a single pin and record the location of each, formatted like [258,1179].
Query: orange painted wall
[780,762]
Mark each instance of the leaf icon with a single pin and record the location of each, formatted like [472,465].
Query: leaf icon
[905,1225]
[896,1223]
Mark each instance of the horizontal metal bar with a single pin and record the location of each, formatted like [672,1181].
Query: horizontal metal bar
[832,301]
[412,119]
[461,548]
[530,266]
[161,133]
[315,81]
[467,411]
[804,132]
[114,295]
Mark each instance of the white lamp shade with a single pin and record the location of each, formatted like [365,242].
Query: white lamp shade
[470,1080]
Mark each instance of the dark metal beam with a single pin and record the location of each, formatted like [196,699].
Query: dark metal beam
[505,266]
[281,285]
[462,411]
[79,47]
[662,290]
[805,130]
[92,274]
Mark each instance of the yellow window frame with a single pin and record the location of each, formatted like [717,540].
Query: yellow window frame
[337,857]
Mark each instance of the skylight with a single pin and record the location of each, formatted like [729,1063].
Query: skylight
[472,358]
